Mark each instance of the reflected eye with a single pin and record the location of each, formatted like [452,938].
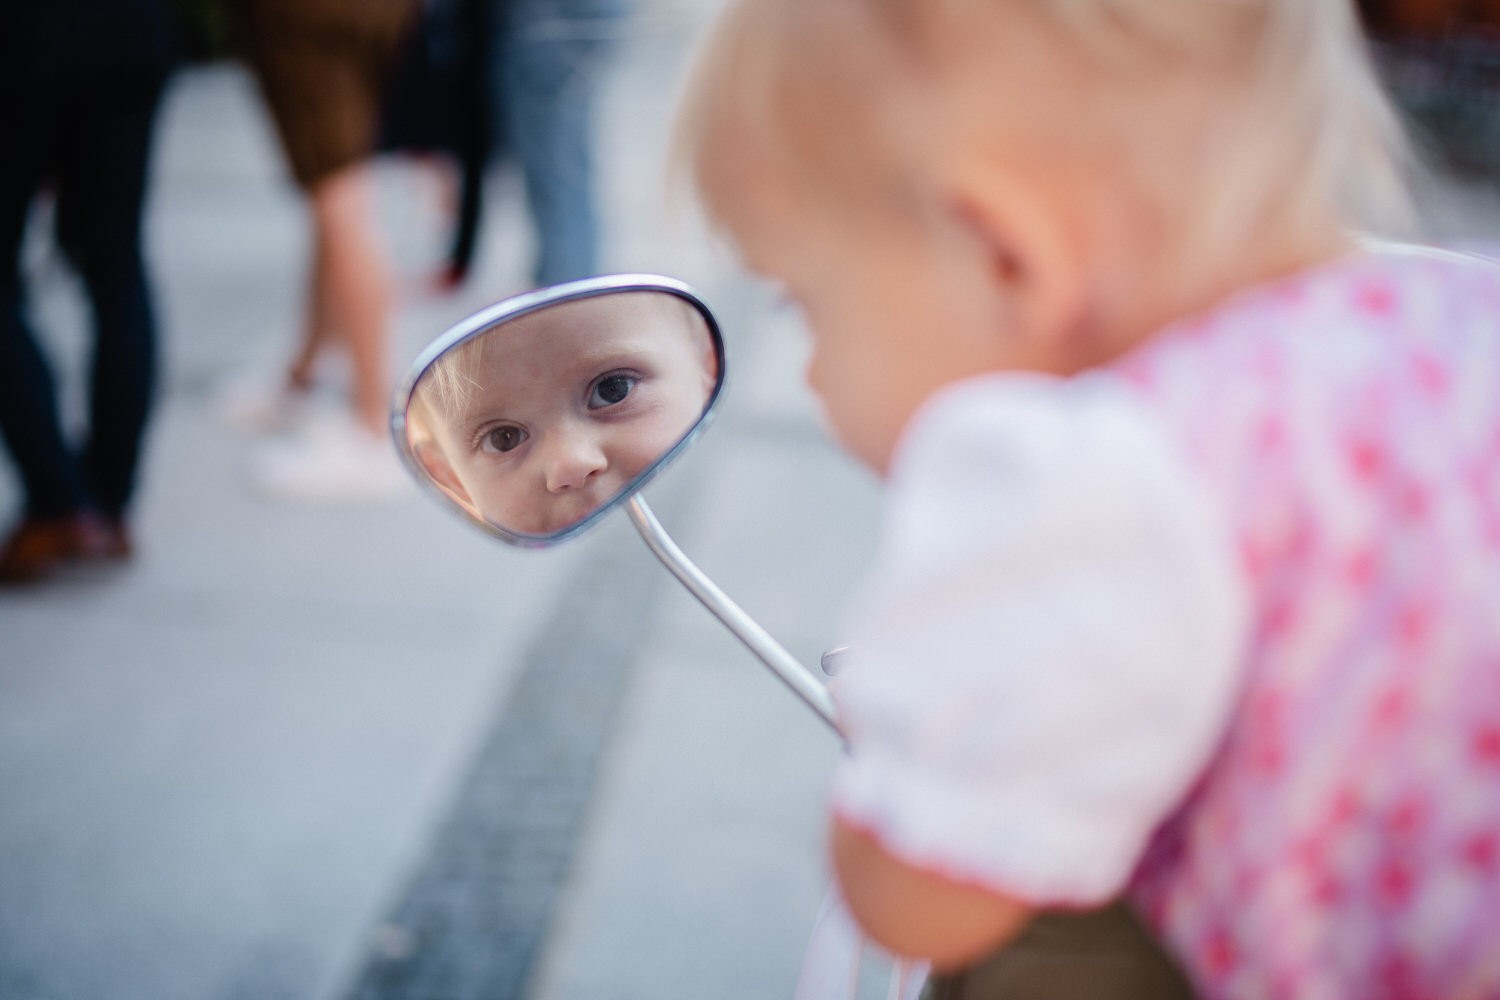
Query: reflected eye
[611,390]
[506,437]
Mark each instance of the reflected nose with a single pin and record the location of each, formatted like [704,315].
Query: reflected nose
[572,460]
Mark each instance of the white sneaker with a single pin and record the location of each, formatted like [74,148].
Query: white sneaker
[332,459]
[262,402]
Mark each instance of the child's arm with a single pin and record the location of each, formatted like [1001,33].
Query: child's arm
[1042,662]
[916,913]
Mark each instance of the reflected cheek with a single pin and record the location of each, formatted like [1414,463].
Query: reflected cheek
[498,499]
[640,445]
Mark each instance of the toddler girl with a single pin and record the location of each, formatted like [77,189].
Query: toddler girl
[1189,581]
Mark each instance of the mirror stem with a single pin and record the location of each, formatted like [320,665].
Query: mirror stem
[793,674]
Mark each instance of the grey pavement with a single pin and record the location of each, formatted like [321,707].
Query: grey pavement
[283,751]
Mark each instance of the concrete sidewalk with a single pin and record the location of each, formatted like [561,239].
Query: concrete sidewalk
[228,766]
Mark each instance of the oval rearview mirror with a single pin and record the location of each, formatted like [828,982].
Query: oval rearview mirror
[536,416]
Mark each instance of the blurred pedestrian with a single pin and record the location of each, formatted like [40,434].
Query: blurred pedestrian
[322,67]
[80,83]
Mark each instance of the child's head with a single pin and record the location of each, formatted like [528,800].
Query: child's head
[535,424]
[956,186]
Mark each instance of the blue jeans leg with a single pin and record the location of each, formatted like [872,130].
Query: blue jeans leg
[550,60]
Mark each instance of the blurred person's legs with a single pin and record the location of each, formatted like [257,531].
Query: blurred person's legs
[50,477]
[322,68]
[352,287]
[102,173]
[464,30]
[549,62]
[95,142]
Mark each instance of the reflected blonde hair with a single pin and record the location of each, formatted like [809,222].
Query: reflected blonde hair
[449,383]
[1285,118]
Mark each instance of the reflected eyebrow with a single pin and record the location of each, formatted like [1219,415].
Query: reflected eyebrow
[615,355]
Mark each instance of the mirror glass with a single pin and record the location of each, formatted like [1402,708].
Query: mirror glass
[536,416]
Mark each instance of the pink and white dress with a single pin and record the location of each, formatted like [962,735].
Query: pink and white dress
[1218,626]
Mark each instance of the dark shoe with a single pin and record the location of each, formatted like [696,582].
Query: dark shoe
[40,545]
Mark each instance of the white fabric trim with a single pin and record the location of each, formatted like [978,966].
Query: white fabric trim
[1049,647]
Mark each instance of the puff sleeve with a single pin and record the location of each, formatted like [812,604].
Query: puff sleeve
[1048,647]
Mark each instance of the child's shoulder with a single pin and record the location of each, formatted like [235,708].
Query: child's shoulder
[1392,285]
[1368,315]
[1382,286]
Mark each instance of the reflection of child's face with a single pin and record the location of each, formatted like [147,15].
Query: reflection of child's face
[568,405]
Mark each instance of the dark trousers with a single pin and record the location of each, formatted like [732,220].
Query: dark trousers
[90,138]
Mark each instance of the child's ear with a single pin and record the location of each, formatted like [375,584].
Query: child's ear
[1031,256]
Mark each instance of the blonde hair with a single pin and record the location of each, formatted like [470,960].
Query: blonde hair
[449,382]
[1290,122]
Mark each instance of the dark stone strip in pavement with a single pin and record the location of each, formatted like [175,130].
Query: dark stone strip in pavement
[475,917]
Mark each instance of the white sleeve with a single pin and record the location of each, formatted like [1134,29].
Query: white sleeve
[1050,644]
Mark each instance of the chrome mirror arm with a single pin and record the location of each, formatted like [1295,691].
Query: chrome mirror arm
[770,652]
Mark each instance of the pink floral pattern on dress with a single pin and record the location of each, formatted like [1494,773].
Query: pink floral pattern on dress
[1345,841]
